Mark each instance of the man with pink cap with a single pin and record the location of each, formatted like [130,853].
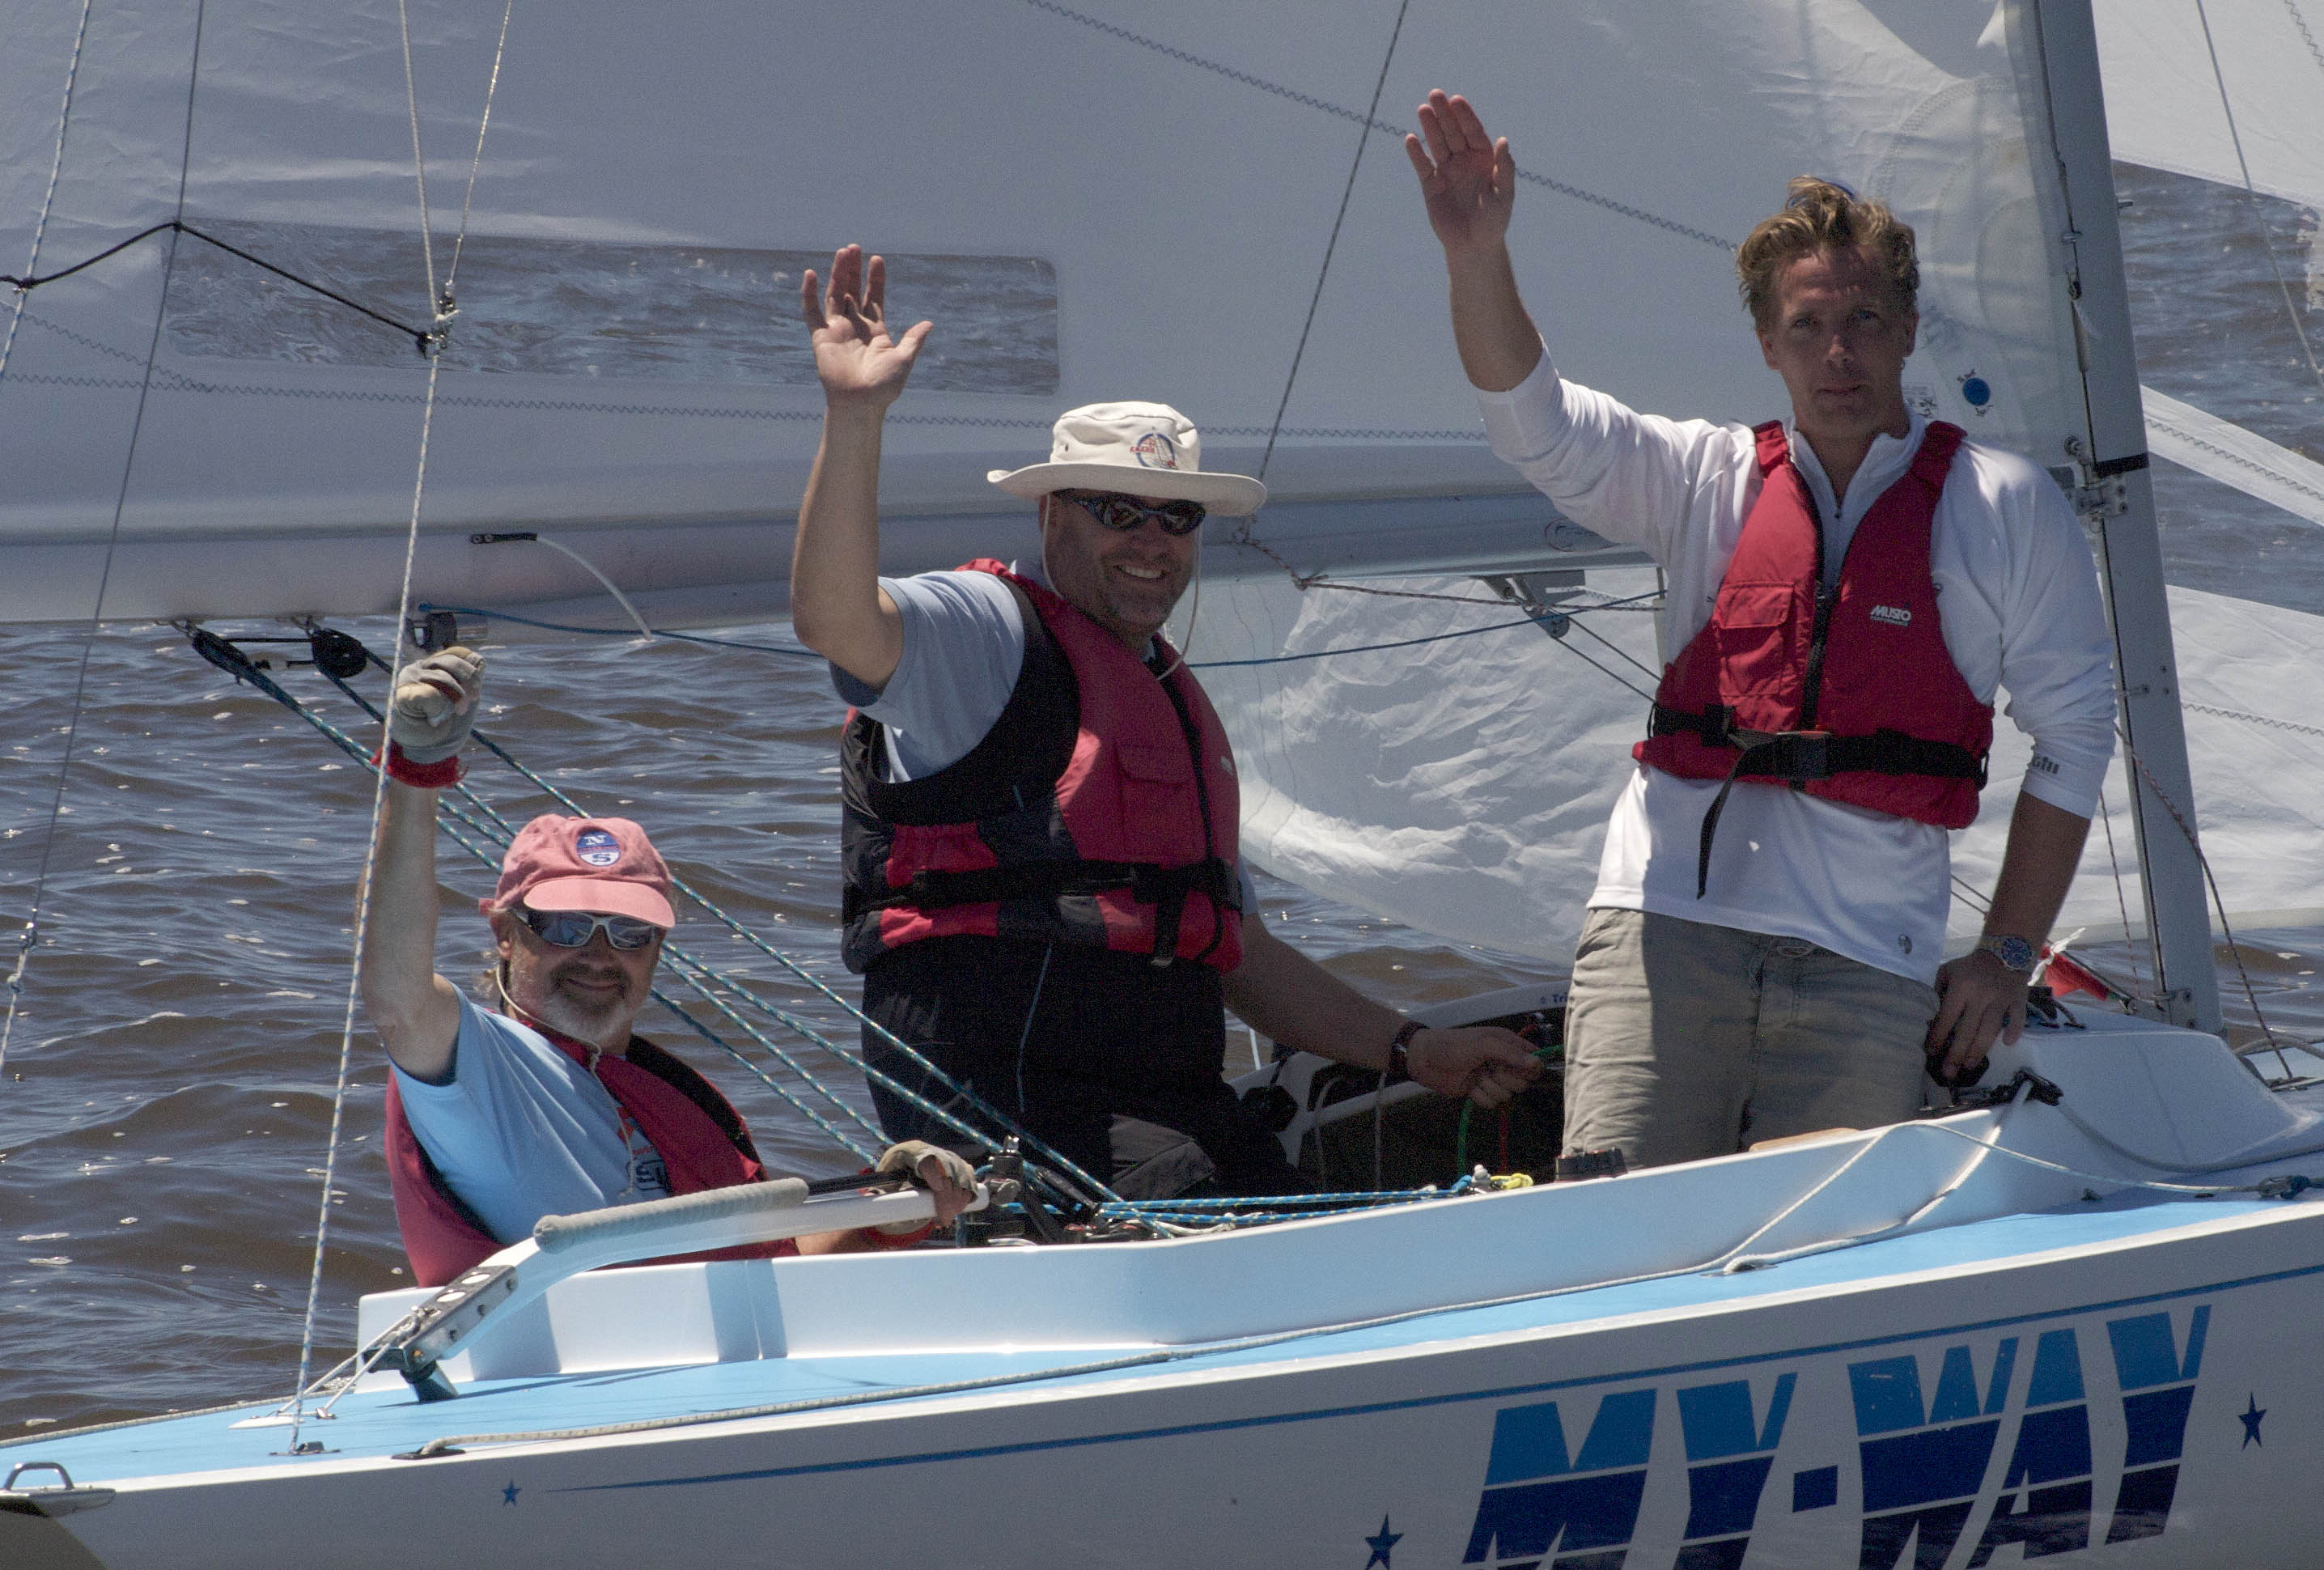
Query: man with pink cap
[552,1104]
[1039,827]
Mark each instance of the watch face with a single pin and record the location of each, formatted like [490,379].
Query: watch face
[2013,952]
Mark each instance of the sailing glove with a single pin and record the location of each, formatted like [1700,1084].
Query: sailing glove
[435,705]
[906,1156]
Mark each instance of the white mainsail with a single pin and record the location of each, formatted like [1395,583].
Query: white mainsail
[623,369]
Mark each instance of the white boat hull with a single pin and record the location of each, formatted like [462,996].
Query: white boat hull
[1548,1377]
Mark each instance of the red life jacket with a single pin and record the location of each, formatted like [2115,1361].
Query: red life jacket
[1848,692]
[1100,809]
[701,1139]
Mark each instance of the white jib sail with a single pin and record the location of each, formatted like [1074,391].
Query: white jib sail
[1464,786]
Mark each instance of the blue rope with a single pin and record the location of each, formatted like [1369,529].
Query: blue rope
[1263,1209]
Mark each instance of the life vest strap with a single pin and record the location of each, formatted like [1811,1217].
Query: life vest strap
[1796,757]
[1148,883]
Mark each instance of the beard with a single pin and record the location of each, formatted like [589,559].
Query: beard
[587,1013]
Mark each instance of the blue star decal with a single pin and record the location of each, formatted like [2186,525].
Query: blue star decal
[1380,1546]
[2250,1419]
[508,1494]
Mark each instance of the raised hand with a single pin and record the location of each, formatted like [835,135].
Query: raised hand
[434,704]
[1468,180]
[854,356]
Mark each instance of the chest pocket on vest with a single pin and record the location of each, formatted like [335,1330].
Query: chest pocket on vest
[1158,796]
[1757,629]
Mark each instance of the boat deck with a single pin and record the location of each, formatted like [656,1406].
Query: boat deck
[373,1423]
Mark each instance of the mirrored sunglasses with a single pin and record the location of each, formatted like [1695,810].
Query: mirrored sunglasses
[574,928]
[1124,513]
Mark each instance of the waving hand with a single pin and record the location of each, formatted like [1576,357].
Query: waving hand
[847,324]
[1468,180]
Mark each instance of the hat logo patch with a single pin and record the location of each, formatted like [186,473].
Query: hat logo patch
[597,847]
[1895,616]
[1155,451]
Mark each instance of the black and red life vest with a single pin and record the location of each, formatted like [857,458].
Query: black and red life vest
[701,1139]
[1100,809]
[1848,692]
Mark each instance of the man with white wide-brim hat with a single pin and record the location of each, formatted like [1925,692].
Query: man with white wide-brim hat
[1039,809]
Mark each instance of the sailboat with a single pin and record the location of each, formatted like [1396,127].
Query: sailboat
[2068,1317]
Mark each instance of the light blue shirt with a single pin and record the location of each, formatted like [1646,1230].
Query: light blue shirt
[521,1130]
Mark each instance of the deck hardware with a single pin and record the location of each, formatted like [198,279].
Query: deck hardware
[2035,1087]
[61,1500]
[1581,1164]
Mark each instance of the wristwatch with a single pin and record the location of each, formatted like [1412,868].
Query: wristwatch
[1399,1067]
[2013,953]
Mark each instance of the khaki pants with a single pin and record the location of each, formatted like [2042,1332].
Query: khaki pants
[1685,1040]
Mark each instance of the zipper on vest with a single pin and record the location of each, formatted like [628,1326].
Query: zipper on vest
[1826,597]
[1812,684]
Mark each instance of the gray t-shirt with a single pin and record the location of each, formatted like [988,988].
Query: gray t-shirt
[964,645]
[521,1130]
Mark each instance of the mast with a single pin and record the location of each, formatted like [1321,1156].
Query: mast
[2119,491]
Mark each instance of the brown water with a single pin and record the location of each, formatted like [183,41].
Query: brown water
[166,1098]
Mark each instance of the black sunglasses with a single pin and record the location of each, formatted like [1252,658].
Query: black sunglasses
[1123,513]
[574,928]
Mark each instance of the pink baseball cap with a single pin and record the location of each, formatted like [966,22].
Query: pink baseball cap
[585,863]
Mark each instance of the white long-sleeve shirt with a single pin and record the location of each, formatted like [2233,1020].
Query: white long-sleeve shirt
[2019,598]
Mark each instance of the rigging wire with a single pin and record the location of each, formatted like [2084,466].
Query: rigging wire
[2121,898]
[49,198]
[796,651]
[420,166]
[2235,949]
[379,782]
[2251,191]
[29,939]
[420,337]
[488,824]
[1347,193]
[361,926]
[1630,602]
[477,165]
[1341,111]
[31,934]
[482,820]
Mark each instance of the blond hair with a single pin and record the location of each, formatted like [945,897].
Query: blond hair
[1819,215]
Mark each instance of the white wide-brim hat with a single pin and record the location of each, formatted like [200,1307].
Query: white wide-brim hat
[1139,450]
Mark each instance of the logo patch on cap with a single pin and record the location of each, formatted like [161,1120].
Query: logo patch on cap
[597,847]
[1157,451]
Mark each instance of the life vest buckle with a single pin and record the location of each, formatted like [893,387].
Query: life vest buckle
[1808,753]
